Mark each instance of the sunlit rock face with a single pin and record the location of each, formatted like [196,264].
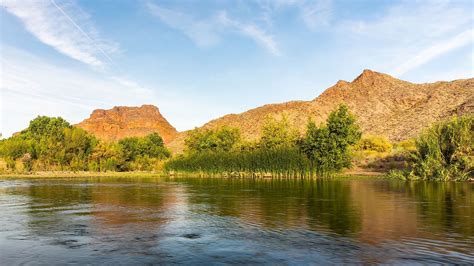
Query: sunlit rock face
[120,122]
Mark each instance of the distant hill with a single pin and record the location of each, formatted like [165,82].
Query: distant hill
[120,122]
[383,105]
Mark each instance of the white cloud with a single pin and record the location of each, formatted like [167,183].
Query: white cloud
[207,32]
[250,30]
[407,35]
[203,33]
[31,86]
[64,27]
[316,13]
[434,51]
[412,20]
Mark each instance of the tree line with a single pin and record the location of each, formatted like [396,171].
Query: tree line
[53,144]
[444,151]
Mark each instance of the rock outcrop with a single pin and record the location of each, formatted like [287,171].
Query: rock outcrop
[120,122]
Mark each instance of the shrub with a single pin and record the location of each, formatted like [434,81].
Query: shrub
[278,133]
[445,151]
[203,140]
[408,145]
[374,143]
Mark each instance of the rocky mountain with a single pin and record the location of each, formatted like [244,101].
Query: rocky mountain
[383,105]
[120,122]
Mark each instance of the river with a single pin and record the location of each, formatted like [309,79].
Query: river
[242,221]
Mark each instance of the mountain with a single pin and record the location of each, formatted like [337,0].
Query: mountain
[383,105]
[120,122]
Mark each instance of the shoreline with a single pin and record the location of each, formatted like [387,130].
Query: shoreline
[77,174]
[65,174]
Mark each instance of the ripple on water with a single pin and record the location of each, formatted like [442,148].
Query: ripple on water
[195,221]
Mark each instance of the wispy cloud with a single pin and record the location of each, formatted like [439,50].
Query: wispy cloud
[436,50]
[64,27]
[250,30]
[208,32]
[32,86]
[203,33]
[314,13]
[409,34]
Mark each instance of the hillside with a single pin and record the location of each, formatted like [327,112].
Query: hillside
[121,122]
[383,105]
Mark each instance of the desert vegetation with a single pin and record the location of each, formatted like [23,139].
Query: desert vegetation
[441,152]
[280,151]
[52,144]
[445,151]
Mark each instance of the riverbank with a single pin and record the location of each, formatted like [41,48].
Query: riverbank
[62,174]
[357,171]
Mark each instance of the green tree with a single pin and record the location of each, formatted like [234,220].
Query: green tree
[278,133]
[77,147]
[154,147]
[44,126]
[141,152]
[105,157]
[328,146]
[203,140]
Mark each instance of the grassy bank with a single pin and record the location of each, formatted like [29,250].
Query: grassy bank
[354,172]
[63,174]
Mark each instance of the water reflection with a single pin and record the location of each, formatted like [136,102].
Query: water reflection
[189,220]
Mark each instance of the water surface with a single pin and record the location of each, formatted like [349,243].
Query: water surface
[191,220]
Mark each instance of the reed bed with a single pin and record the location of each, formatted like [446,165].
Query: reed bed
[281,162]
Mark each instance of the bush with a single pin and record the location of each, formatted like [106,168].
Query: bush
[204,140]
[278,133]
[408,145]
[445,151]
[374,143]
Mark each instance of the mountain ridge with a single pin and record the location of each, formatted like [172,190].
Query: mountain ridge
[383,105]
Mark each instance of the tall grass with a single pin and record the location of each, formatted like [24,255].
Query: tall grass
[278,162]
[443,152]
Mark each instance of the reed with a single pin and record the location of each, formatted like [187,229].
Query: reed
[278,162]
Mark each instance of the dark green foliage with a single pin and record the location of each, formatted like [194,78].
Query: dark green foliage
[328,147]
[14,147]
[445,151]
[137,153]
[51,143]
[202,140]
[46,127]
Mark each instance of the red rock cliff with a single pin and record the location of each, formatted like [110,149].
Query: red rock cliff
[120,122]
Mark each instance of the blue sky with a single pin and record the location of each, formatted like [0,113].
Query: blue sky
[199,60]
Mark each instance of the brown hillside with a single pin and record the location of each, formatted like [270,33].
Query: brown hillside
[383,105]
[121,122]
